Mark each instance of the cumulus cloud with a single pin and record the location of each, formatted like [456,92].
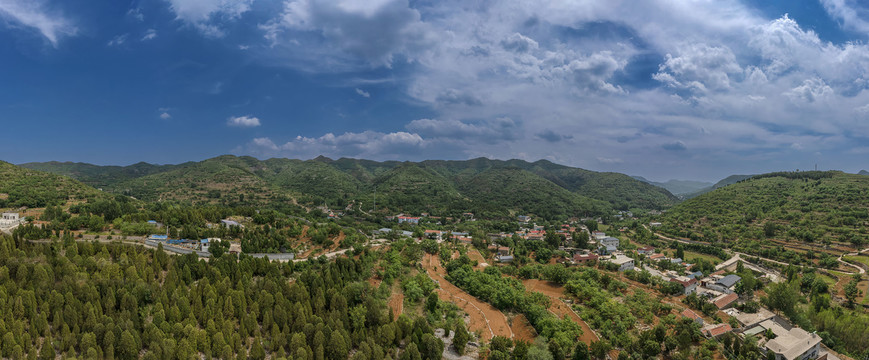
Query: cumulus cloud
[209,16]
[367,144]
[243,121]
[363,93]
[373,31]
[849,12]
[33,14]
[165,116]
[739,85]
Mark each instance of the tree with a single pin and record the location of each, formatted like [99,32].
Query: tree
[581,239]
[431,304]
[581,351]
[257,352]
[599,349]
[461,338]
[127,348]
[680,251]
[432,347]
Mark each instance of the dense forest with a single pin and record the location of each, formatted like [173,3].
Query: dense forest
[93,300]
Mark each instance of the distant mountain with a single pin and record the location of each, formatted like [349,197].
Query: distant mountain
[20,186]
[863,172]
[516,186]
[99,176]
[678,187]
[732,179]
[810,206]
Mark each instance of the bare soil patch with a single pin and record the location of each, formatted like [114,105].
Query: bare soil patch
[555,292]
[522,329]
[484,318]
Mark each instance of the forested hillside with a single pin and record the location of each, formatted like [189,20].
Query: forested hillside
[24,187]
[448,187]
[809,206]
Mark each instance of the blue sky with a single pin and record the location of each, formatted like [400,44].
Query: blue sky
[665,89]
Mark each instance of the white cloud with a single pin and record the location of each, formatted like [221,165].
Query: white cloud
[850,13]
[363,93]
[149,35]
[33,14]
[118,40]
[165,116]
[243,121]
[209,16]
[730,84]
[368,144]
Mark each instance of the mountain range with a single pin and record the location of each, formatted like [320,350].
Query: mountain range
[493,187]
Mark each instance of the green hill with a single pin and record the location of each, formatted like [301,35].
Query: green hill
[678,187]
[435,185]
[732,179]
[512,190]
[99,176]
[811,206]
[225,179]
[32,188]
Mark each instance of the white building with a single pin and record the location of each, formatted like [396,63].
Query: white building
[624,262]
[609,241]
[9,219]
[793,344]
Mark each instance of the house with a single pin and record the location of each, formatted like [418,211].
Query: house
[607,250]
[788,344]
[655,224]
[229,223]
[609,241]
[584,258]
[695,275]
[747,320]
[725,301]
[234,248]
[524,218]
[159,237]
[657,257]
[688,285]
[505,258]
[203,244]
[597,235]
[503,250]
[676,261]
[688,313]
[408,219]
[434,234]
[717,330]
[10,219]
[625,263]
[729,281]
[647,250]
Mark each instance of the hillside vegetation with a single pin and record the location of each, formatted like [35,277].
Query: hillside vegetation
[31,188]
[450,187]
[809,206]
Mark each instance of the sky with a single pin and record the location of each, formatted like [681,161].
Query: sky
[695,89]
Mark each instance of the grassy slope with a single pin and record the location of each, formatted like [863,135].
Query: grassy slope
[831,208]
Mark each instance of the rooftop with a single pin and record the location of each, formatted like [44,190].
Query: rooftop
[729,280]
[725,300]
[790,343]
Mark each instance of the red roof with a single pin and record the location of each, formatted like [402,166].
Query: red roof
[647,248]
[690,314]
[585,257]
[726,300]
[718,330]
[656,256]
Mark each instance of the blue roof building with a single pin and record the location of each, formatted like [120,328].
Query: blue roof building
[729,281]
